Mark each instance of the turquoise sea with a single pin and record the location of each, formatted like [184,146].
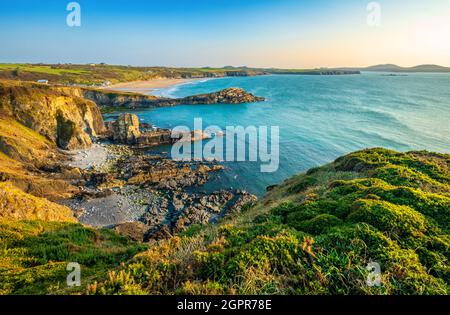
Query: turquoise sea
[320,118]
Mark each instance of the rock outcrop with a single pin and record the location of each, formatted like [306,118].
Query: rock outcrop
[125,129]
[134,230]
[67,120]
[227,96]
[155,138]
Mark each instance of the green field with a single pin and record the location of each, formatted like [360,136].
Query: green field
[100,73]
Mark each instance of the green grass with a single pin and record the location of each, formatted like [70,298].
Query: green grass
[34,255]
[41,69]
[315,234]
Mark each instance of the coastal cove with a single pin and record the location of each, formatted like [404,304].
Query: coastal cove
[320,118]
[225,155]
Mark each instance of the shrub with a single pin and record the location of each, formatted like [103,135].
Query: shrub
[318,224]
[398,221]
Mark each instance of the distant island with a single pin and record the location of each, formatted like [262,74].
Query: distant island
[395,68]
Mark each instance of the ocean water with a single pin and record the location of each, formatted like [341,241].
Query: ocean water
[320,118]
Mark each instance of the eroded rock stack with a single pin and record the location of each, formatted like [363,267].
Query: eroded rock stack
[126,129]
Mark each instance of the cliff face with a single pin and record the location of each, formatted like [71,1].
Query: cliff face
[34,121]
[56,113]
[117,99]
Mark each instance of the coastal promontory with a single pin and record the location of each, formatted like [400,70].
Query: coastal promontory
[112,100]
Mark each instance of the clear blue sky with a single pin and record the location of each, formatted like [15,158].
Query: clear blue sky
[263,33]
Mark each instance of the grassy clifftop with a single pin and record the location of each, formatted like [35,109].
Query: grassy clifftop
[315,234]
[34,255]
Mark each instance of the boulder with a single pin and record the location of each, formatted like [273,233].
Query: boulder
[134,230]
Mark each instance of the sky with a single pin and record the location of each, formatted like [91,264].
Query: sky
[254,33]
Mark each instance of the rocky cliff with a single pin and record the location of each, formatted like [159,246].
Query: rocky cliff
[15,204]
[105,98]
[56,113]
[127,129]
[34,121]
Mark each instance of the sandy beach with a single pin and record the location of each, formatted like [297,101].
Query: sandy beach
[149,85]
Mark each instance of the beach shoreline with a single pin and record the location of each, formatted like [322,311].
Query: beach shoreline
[147,86]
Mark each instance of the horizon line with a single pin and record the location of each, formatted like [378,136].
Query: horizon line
[223,66]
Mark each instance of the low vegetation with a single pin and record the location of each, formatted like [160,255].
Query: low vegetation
[315,234]
[34,255]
